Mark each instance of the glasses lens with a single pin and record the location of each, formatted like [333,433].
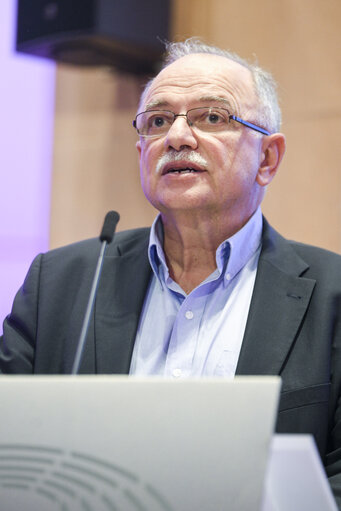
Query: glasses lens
[154,122]
[209,118]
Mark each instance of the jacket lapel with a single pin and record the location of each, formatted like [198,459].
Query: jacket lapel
[279,302]
[124,281]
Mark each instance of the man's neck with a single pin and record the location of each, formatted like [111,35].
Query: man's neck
[190,247]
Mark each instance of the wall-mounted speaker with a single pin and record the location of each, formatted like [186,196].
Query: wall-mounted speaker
[126,34]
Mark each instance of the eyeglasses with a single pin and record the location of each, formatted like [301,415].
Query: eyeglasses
[156,123]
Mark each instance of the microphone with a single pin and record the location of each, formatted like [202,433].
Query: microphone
[109,226]
[106,237]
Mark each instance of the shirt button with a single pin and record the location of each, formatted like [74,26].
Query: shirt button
[189,315]
[176,373]
[228,276]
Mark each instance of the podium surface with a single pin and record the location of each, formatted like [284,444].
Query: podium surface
[93,443]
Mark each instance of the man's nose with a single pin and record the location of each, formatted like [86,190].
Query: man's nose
[180,134]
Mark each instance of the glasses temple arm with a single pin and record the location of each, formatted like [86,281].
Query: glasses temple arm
[249,125]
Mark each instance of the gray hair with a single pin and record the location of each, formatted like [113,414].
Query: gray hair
[269,114]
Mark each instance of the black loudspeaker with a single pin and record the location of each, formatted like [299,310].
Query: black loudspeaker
[126,34]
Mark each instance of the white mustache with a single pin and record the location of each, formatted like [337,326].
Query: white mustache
[189,156]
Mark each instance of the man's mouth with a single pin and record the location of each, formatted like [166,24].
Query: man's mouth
[182,171]
[178,168]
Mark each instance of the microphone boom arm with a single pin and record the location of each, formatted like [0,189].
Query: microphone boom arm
[106,237]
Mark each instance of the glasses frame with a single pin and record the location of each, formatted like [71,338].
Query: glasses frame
[231,117]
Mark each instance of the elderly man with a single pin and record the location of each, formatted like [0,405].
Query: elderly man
[211,289]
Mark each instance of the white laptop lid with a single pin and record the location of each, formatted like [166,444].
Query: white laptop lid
[111,443]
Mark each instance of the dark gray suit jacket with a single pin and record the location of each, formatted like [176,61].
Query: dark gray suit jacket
[293,329]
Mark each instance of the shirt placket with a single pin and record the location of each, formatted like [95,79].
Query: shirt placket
[184,337]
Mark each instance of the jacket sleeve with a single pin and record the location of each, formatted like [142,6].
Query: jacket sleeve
[17,344]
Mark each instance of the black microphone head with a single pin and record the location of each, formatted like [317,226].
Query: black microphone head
[109,226]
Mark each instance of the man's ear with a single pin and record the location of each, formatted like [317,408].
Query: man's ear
[273,149]
[138,147]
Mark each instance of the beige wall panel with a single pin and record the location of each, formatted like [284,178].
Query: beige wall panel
[95,160]
[304,200]
[191,18]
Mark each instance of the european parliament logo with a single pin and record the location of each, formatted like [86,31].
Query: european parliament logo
[36,478]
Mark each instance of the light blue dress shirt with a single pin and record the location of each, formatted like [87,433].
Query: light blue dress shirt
[199,334]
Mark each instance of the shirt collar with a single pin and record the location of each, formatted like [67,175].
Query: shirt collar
[243,245]
[156,255]
[231,255]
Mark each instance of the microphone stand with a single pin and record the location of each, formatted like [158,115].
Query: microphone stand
[106,237]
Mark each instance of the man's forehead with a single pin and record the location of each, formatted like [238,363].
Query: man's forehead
[194,72]
[202,61]
[208,98]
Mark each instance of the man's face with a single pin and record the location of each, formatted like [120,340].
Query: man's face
[226,163]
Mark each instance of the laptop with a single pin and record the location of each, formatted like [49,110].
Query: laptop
[119,443]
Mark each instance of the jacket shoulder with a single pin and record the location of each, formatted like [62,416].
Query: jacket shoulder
[123,242]
[293,255]
[315,252]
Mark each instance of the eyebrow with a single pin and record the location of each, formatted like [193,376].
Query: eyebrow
[204,99]
[156,104]
[216,99]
